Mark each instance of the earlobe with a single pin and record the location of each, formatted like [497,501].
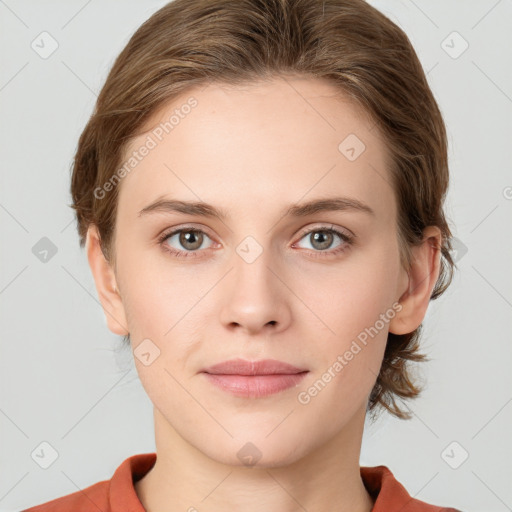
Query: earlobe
[106,286]
[421,279]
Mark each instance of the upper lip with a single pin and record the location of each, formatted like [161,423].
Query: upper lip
[244,367]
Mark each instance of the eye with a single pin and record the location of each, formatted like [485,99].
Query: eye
[322,238]
[187,241]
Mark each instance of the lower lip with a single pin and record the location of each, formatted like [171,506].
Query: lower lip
[254,386]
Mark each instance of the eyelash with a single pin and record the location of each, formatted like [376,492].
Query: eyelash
[349,240]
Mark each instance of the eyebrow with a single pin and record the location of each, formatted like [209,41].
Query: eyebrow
[295,210]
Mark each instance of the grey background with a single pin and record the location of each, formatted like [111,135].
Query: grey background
[61,379]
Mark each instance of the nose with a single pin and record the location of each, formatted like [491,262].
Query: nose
[254,296]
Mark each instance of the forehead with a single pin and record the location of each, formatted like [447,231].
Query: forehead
[270,140]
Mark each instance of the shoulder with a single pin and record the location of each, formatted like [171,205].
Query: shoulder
[391,496]
[114,495]
[90,499]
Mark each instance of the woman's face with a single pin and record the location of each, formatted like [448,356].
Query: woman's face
[266,279]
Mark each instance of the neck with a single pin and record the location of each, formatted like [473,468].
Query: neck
[327,478]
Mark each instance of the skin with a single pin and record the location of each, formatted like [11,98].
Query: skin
[253,151]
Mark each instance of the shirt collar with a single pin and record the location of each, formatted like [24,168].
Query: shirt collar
[387,493]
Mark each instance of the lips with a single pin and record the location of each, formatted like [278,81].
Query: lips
[254,379]
[262,367]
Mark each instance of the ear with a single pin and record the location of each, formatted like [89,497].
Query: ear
[106,285]
[419,281]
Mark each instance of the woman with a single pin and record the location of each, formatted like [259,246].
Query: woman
[260,191]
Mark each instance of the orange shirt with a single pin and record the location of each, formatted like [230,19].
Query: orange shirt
[118,494]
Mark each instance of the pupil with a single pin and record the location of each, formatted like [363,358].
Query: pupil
[324,237]
[187,237]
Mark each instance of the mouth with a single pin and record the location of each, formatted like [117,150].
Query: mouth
[254,379]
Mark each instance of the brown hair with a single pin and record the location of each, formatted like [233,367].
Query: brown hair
[349,43]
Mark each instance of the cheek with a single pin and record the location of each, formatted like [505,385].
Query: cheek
[355,305]
[352,296]
[163,305]
[348,359]
[155,295]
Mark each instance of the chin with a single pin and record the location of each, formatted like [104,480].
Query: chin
[257,451]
